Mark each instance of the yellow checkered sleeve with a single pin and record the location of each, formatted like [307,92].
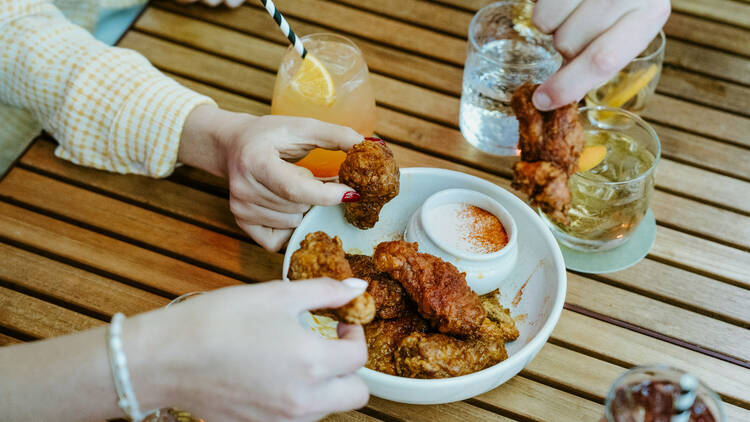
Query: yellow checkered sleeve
[107,107]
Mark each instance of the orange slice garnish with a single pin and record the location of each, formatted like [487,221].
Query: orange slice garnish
[313,81]
[591,156]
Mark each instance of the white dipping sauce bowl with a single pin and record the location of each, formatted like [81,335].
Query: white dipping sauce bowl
[484,272]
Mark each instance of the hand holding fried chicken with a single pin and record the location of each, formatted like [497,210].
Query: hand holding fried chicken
[551,143]
[370,169]
[322,256]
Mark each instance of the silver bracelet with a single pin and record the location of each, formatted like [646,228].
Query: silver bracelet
[119,364]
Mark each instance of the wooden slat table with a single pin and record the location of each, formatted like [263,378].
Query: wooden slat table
[77,245]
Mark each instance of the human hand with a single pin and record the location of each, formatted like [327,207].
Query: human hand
[213,3]
[268,194]
[241,354]
[597,38]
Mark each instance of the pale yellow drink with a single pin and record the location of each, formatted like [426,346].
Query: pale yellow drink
[346,98]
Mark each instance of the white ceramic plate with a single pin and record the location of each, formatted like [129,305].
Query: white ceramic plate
[534,291]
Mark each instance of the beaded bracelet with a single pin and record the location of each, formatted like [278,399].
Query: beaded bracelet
[118,363]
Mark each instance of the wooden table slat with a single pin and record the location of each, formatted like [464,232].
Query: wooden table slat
[104,253]
[240,258]
[380,58]
[629,348]
[73,285]
[443,412]
[37,318]
[349,417]
[726,11]
[708,61]
[8,340]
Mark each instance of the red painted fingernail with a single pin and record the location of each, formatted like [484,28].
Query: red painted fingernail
[350,196]
[378,140]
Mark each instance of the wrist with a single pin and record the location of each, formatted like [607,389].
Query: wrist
[154,363]
[205,137]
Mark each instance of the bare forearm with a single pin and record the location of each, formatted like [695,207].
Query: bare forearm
[69,378]
[66,378]
[202,136]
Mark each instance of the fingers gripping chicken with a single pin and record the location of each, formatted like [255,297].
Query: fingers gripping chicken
[322,256]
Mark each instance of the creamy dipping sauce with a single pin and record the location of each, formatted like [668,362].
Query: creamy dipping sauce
[467,228]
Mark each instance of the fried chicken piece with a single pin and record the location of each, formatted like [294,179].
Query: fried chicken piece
[369,168]
[439,290]
[391,301]
[555,136]
[551,143]
[322,256]
[384,336]
[423,355]
[546,186]
[499,315]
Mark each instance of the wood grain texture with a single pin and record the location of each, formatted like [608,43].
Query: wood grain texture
[705,90]
[726,11]
[708,61]
[659,317]
[349,417]
[105,254]
[37,318]
[240,258]
[628,348]
[253,21]
[521,396]
[72,285]
[458,411]
[8,340]
[164,196]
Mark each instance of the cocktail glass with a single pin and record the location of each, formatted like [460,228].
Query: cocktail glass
[353,104]
[635,84]
[610,199]
[504,52]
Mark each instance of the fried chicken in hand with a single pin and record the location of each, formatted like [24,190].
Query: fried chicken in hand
[322,256]
[546,186]
[439,290]
[370,169]
[551,143]
[391,301]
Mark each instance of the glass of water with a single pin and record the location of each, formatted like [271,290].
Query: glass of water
[504,52]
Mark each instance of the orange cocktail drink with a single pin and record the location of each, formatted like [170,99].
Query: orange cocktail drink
[331,84]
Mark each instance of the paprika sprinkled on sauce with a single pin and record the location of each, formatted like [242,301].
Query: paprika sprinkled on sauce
[468,228]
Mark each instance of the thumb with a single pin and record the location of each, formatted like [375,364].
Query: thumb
[322,293]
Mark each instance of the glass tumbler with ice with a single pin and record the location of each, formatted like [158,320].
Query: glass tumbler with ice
[504,51]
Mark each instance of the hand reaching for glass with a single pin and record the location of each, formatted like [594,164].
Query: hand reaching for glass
[268,194]
[597,38]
